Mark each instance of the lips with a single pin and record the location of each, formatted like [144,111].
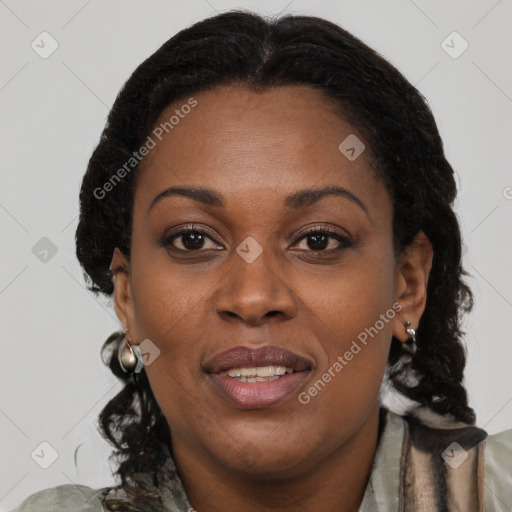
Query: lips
[256,393]
[245,357]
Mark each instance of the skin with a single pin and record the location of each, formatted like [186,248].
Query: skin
[255,149]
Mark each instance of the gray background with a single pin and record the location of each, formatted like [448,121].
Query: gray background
[53,384]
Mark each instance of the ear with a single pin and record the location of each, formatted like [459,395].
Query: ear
[123,292]
[411,284]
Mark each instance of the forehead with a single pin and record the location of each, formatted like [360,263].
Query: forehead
[248,144]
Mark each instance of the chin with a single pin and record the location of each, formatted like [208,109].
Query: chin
[263,456]
[266,468]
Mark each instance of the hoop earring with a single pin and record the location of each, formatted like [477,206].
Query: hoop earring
[129,356]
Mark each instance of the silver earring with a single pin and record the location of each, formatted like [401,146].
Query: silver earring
[129,356]
[410,344]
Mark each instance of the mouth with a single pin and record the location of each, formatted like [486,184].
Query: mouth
[257,378]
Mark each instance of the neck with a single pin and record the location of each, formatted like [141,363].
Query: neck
[340,477]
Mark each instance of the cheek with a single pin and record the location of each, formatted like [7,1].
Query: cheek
[352,297]
[352,316]
[171,313]
[173,309]
[168,298]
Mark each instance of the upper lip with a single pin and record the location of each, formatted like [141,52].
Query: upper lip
[245,357]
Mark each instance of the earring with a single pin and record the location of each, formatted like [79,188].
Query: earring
[410,344]
[129,356]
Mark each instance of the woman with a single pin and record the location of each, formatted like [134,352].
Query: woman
[270,208]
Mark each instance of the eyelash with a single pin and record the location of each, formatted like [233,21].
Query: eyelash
[345,242]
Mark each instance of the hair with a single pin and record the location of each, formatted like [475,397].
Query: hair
[243,48]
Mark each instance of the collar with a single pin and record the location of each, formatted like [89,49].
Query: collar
[383,488]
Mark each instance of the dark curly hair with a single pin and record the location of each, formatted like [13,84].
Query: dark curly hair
[243,48]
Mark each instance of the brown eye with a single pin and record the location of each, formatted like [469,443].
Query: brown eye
[190,240]
[318,240]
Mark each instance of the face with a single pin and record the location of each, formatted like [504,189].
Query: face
[262,272]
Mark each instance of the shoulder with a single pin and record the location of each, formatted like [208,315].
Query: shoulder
[63,498]
[498,470]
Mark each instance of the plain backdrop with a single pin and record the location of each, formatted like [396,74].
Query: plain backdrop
[52,110]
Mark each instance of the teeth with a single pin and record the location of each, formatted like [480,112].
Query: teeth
[261,371]
[257,379]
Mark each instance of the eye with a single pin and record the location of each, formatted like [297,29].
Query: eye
[321,240]
[190,239]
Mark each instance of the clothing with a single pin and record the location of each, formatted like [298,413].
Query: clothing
[409,474]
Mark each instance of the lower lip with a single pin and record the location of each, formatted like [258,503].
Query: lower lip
[256,395]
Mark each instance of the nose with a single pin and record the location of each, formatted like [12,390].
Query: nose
[254,292]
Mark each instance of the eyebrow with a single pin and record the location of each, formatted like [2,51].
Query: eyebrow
[297,200]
